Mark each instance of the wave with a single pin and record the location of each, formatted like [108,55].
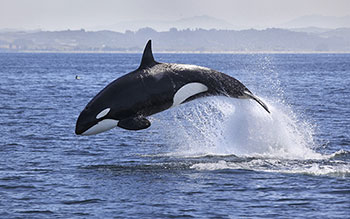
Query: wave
[230,164]
[341,154]
[309,167]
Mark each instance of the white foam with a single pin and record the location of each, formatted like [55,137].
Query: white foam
[334,168]
[320,169]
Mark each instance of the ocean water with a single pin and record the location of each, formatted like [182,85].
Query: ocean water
[214,157]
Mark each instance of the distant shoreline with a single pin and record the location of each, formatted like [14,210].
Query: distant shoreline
[199,41]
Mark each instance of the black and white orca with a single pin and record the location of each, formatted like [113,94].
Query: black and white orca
[153,88]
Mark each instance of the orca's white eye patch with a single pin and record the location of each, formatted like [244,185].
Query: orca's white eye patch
[103,113]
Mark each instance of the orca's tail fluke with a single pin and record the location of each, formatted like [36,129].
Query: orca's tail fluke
[250,95]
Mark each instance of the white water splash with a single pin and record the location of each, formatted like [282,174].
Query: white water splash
[226,126]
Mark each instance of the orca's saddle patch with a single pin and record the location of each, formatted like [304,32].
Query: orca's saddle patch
[134,123]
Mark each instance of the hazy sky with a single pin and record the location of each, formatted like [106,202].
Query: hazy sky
[76,14]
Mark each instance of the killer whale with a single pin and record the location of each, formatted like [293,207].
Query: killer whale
[153,88]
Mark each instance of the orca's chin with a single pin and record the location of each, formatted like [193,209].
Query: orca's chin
[101,126]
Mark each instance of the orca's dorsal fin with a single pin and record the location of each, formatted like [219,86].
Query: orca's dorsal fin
[147,57]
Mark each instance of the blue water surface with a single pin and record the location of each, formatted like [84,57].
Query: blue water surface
[209,158]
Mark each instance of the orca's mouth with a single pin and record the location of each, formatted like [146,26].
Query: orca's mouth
[79,131]
[80,127]
[84,123]
[85,126]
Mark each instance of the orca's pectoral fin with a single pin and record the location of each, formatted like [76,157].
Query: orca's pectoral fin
[134,123]
[250,95]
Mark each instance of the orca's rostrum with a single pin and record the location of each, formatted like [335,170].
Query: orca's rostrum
[153,88]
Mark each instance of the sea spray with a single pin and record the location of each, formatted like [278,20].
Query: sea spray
[226,126]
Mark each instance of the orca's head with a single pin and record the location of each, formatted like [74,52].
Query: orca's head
[94,119]
[98,117]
